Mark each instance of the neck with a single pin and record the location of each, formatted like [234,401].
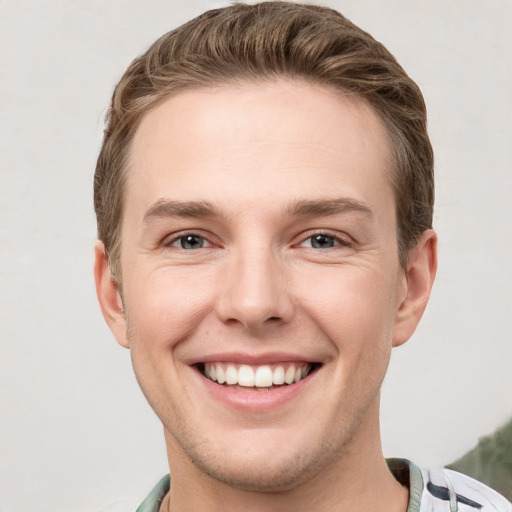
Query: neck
[359,480]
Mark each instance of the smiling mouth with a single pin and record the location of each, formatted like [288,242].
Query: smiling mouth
[260,377]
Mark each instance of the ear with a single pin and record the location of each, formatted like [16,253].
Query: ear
[418,280]
[109,297]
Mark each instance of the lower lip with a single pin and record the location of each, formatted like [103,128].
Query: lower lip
[254,400]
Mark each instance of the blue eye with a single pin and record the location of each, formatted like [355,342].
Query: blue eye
[322,241]
[190,242]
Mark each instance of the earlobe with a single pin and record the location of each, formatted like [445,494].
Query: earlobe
[419,279]
[109,296]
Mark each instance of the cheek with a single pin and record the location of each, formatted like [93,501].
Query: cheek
[354,307]
[165,306]
[163,310]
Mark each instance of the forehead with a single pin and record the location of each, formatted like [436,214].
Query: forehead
[237,143]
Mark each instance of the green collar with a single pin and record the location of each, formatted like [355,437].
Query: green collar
[154,500]
[407,473]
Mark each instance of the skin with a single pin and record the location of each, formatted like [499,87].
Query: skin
[276,164]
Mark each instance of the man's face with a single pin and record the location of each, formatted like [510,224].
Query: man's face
[259,240]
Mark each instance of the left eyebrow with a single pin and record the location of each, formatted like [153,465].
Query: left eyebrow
[168,208]
[310,208]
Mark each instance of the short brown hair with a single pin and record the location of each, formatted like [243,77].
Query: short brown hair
[264,41]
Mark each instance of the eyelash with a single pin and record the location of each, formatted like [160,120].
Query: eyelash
[181,237]
[336,239]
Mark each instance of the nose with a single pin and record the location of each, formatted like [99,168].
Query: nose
[255,291]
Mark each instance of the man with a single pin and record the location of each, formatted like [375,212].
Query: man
[264,200]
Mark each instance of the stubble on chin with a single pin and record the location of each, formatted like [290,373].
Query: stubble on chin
[267,474]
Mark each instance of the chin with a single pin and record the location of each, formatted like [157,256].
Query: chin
[261,475]
[266,463]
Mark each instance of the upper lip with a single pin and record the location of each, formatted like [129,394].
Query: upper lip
[252,359]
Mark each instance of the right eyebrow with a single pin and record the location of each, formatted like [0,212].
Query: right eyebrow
[169,208]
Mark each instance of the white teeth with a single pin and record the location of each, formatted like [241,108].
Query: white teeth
[231,375]
[263,377]
[260,377]
[246,376]
[221,377]
[290,375]
[278,377]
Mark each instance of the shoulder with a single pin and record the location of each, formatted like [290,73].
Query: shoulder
[460,492]
[490,461]
[445,490]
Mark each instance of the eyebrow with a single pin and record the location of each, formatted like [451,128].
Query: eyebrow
[310,208]
[299,208]
[166,208]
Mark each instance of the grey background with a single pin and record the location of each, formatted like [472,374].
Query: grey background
[75,432]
